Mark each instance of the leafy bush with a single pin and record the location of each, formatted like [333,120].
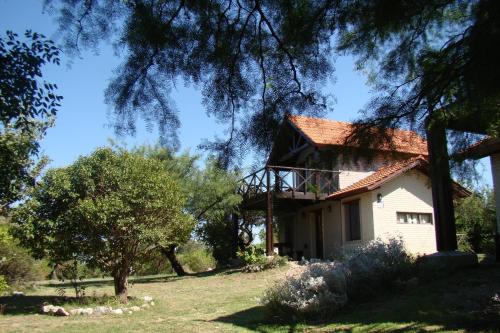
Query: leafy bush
[3,285]
[321,288]
[16,264]
[377,264]
[266,262]
[252,254]
[196,257]
[317,288]
[476,218]
[255,259]
[154,263]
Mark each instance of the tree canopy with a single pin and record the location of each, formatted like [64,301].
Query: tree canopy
[106,210]
[212,197]
[28,106]
[257,60]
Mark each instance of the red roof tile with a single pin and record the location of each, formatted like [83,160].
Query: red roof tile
[379,177]
[323,132]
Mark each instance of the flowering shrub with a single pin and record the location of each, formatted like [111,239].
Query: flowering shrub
[316,288]
[321,288]
[377,264]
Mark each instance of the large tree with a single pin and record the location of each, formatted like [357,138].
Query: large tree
[106,210]
[257,60]
[212,198]
[433,65]
[28,106]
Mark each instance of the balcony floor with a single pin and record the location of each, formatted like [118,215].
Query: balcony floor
[282,200]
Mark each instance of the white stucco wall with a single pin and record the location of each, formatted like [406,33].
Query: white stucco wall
[409,192]
[347,178]
[366,220]
[332,231]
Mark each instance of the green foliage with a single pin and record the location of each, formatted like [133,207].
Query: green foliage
[106,210]
[3,285]
[154,263]
[72,272]
[255,259]
[253,254]
[16,265]
[27,109]
[476,217]
[211,196]
[196,257]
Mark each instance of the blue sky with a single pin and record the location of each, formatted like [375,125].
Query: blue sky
[82,123]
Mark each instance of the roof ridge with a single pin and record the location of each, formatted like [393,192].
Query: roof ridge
[380,176]
[328,132]
[350,123]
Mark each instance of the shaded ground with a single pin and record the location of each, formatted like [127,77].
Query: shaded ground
[222,302]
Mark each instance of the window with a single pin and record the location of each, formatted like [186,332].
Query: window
[352,221]
[414,218]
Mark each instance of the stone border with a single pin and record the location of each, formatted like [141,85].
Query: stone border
[97,311]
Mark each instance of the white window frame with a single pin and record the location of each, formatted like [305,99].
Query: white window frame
[414,218]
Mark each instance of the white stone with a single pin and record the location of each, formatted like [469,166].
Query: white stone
[147,298]
[76,312]
[61,312]
[102,310]
[49,308]
[145,305]
[135,308]
[87,311]
[117,311]
[17,293]
[152,303]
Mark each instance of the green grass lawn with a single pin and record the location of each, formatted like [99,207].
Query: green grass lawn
[229,302]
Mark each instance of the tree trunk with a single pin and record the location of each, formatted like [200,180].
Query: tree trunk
[121,286]
[236,237]
[169,252]
[442,193]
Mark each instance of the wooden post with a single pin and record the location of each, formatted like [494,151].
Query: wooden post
[269,216]
[442,194]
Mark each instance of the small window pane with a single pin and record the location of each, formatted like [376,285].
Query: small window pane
[425,218]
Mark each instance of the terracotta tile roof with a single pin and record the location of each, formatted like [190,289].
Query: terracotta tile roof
[324,132]
[379,177]
[388,173]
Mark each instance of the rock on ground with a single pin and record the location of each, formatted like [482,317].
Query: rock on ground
[117,311]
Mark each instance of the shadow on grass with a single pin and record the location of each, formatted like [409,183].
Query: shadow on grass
[464,302]
[22,305]
[257,319]
[108,282]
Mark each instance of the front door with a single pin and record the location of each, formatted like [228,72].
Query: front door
[318,224]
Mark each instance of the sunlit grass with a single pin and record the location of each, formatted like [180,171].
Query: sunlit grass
[229,302]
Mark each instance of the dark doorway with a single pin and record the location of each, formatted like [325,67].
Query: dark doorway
[318,223]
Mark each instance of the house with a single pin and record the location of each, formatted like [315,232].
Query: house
[324,195]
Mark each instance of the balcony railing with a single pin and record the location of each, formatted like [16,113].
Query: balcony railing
[294,182]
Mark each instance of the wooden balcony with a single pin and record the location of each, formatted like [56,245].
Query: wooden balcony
[287,183]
